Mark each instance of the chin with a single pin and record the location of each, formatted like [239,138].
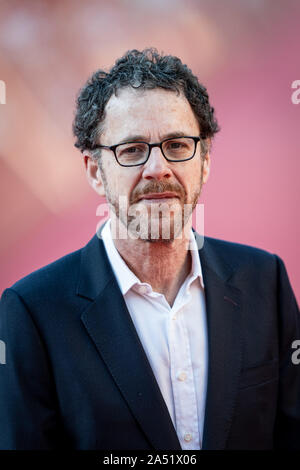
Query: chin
[160,241]
[156,234]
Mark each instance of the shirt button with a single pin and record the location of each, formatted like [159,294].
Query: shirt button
[174,318]
[181,376]
[188,437]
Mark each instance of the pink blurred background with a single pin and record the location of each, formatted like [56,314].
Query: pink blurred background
[245,52]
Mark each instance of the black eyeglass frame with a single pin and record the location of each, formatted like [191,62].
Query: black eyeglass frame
[150,147]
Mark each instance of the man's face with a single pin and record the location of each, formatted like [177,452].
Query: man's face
[151,116]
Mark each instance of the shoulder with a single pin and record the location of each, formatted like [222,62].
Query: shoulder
[234,249]
[49,296]
[50,280]
[258,272]
[241,257]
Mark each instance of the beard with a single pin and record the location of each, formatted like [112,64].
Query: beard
[157,222]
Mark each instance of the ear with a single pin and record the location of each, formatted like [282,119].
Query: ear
[93,173]
[206,163]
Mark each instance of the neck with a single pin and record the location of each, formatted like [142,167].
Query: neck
[163,265]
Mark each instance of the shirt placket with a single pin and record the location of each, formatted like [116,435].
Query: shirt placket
[182,378]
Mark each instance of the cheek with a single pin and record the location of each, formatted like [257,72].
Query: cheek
[190,178]
[111,173]
[121,181]
[197,173]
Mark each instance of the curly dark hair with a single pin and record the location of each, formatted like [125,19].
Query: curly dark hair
[145,69]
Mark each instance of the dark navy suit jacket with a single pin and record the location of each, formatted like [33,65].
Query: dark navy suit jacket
[76,375]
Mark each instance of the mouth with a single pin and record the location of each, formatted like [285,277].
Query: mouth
[158,197]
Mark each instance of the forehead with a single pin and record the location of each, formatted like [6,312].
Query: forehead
[150,113]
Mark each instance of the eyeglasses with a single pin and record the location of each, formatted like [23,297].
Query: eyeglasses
[179,149]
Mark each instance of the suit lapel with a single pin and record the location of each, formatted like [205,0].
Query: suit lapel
[223,309]
[110,327]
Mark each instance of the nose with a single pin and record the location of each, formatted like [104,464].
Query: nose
[156,167]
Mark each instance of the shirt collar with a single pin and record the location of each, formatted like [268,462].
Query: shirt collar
[125,277]
[196,269]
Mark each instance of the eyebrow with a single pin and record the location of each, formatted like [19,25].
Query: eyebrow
[143,138]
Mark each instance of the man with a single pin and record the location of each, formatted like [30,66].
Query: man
[144,338]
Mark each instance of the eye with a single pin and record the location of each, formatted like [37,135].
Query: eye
[131,150]
[176,145]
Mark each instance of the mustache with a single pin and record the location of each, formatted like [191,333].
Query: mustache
[157,187]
